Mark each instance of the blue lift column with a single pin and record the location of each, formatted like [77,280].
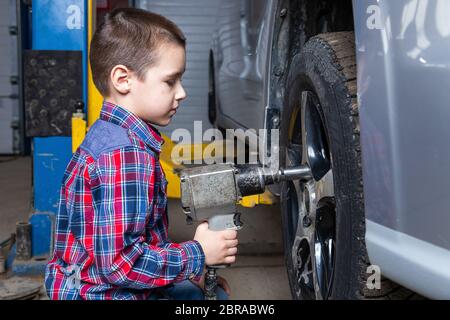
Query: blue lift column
[56,25]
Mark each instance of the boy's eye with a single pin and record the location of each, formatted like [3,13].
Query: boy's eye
[171,82]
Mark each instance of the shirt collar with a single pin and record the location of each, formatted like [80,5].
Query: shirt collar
[124,118]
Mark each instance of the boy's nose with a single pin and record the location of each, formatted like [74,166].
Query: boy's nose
[181,94]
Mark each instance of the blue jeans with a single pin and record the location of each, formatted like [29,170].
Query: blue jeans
[185,290]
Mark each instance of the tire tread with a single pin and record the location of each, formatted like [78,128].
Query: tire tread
[340,48]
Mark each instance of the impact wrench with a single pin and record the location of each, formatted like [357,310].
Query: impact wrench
[212,192]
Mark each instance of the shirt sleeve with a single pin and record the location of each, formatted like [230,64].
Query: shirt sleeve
[122,199]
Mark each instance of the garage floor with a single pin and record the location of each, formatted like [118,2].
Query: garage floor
[259,272]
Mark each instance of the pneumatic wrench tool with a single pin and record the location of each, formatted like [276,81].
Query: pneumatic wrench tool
[212,192]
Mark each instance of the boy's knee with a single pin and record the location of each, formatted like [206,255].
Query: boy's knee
[221,294]
[186,290]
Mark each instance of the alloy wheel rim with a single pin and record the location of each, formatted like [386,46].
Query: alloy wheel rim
[311,204]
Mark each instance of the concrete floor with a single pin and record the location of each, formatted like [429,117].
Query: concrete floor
[15,193]
[259,272]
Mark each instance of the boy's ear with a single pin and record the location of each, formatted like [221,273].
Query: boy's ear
[121,79]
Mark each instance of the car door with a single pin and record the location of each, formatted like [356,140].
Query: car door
[245,37]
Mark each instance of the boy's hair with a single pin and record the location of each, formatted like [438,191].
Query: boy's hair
[130,37]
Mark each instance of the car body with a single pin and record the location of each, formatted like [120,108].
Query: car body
[403,63]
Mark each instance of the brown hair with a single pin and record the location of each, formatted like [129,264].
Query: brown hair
[130,37]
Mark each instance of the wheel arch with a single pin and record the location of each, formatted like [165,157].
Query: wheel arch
[296,22]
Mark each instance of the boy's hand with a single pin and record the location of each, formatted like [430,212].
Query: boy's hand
[220,247]
[220,282]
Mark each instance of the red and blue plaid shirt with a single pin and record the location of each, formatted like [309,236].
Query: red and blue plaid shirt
[111,228]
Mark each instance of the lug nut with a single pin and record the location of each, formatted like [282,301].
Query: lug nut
[277,71]
[275,122]
[306,222]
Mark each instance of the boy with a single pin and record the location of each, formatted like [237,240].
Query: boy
[111,234]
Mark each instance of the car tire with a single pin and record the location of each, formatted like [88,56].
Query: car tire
[323,216]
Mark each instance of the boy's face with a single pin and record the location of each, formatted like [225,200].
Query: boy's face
[156,98]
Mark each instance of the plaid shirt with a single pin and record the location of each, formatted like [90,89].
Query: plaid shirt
[111,228]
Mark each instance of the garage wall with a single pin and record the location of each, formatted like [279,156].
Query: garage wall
[9,108]
[197,19]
